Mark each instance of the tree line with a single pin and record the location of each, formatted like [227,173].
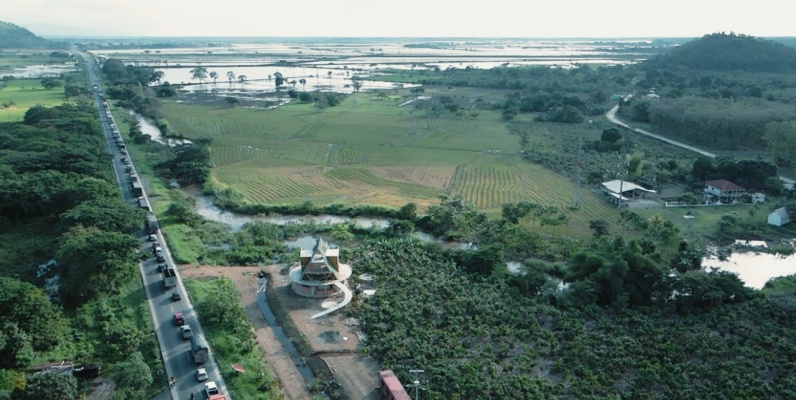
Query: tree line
[59,201]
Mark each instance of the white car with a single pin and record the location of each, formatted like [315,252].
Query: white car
[153,238]
[185,331]
[211,388]
[201,374]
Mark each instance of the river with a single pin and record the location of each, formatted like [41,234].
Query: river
[754,268]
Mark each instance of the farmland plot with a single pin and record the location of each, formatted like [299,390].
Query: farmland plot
[375,155]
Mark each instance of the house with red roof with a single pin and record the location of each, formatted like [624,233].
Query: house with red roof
[724,190]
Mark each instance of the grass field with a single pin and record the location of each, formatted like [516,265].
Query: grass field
[18,95]
[374,152]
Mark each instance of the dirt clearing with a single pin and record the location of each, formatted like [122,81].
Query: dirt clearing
[331,342]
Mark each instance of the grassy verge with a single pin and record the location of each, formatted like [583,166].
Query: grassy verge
[233,344]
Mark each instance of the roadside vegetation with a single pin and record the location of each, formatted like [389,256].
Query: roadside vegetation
[231,336]
[69,278]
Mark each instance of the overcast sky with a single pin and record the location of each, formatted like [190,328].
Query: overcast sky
[402,18]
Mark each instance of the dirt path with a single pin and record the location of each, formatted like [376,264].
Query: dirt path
[245,279]
[331,336]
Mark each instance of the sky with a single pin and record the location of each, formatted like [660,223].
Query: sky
[402,18]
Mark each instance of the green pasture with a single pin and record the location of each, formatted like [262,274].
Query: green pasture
[18,95]
[750,221]
[370,150]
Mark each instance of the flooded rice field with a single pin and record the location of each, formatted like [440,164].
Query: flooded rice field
[330,66]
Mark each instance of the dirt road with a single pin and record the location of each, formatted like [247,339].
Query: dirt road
[332,337]
[245,279]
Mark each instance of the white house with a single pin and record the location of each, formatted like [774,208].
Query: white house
[724,190]
[758,198]
[779,217]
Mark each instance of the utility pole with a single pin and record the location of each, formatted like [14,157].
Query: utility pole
[576,197]
[416,381]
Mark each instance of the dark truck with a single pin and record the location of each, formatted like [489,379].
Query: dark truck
[137,189]
[151,224]
[169,278]
[199,350]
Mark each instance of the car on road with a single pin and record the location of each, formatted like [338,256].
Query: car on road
[156,248]
[176,296]
[153,238]
[159,257]
[211,388]
[185,332]
[201,374]
[179,320]
[162,267]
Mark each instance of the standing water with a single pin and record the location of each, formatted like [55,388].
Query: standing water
[754,269]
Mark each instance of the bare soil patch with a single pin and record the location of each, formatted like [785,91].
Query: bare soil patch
[329,344]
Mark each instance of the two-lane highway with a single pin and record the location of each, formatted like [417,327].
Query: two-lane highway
[175,351]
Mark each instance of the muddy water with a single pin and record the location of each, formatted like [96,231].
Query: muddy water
[754,269]
[149,128]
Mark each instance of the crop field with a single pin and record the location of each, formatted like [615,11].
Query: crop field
[375,152]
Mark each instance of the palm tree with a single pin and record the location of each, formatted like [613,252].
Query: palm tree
[214,75]
[199,73]
[230,76]
[303,83]
[242,78]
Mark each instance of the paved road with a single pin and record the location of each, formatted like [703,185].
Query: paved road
[174,350]
[788,183]
[611,115]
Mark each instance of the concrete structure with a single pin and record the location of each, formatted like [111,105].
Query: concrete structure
[620,191]
[779,217]
[320,272]
[758,198]
[724,190]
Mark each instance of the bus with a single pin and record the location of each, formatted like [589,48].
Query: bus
[391,387]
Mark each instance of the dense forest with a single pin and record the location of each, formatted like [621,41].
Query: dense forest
[59,202]
[640,319]
[16,37]
[728,52]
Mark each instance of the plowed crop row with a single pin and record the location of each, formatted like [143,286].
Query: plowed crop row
[307,131]
[491,187]
[348,156]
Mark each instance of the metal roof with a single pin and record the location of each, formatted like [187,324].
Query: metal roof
[626,186]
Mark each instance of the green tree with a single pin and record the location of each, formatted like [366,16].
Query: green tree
[95,262]
[230,76]
[51,386]
[199,73]
[599,227]
[278,79]
[50,83]
[242,78]
[132,376]
[16,347]
[232,101]
[780,140]
[214,75]
[28,308]
[106,214]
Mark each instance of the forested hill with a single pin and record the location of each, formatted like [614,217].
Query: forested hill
[729,52]
[16,37]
